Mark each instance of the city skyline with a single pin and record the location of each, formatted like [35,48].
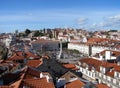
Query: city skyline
[38,14]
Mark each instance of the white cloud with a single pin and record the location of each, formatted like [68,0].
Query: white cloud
[82,21]
[109,22]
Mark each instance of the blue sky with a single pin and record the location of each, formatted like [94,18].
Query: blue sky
[39,14]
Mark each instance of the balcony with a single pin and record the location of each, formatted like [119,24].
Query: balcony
[110,82]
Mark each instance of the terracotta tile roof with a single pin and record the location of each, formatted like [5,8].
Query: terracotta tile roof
[102,86]
[22,55]
[78,43]
[96,63]
[17,56]
[75,84]
[34,63]
[70,66]
[30,77]
[92,63]
[8,65]
[101,40]
[106,64]
[30,54]
[38,83]
[42,41]
[113,53]
[16,84]
[110,73]
[31,73]
[116,68]
[97,40]
[75,69]
[117,46]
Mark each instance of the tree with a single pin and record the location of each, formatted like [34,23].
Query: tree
[21,35]
[38,33]
[50,35]
[3,52]
[27,32]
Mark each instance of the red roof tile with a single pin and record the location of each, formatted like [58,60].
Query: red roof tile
[31,73]
[113,53]
[34,63]
[29,54]
[38,83]
[117,68]
[75,84]
[102,86]
[110,73]
[69,66]
[96,63]
[106,64]
[22,55]
[42,41]
[16,56]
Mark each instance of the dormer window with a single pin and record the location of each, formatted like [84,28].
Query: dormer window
[93,69]
[111,69]
[87,67]
[116,74]
[102,70]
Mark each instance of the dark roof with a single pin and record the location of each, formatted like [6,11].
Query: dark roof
[55,69]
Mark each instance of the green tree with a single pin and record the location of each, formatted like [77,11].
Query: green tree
[38,33]
[50,35]
[27,32]
[21,35]
[3,52]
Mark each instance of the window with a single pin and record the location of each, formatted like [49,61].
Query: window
[116,74]
[87,72]
[119,75]
[114,81]
[104,76]
[109,79]
[93,74]
[100,74]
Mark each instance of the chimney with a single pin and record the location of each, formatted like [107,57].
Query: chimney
[90,50]
[118,63]
[41,75]
[100,56]
[107,55]
[49,79]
